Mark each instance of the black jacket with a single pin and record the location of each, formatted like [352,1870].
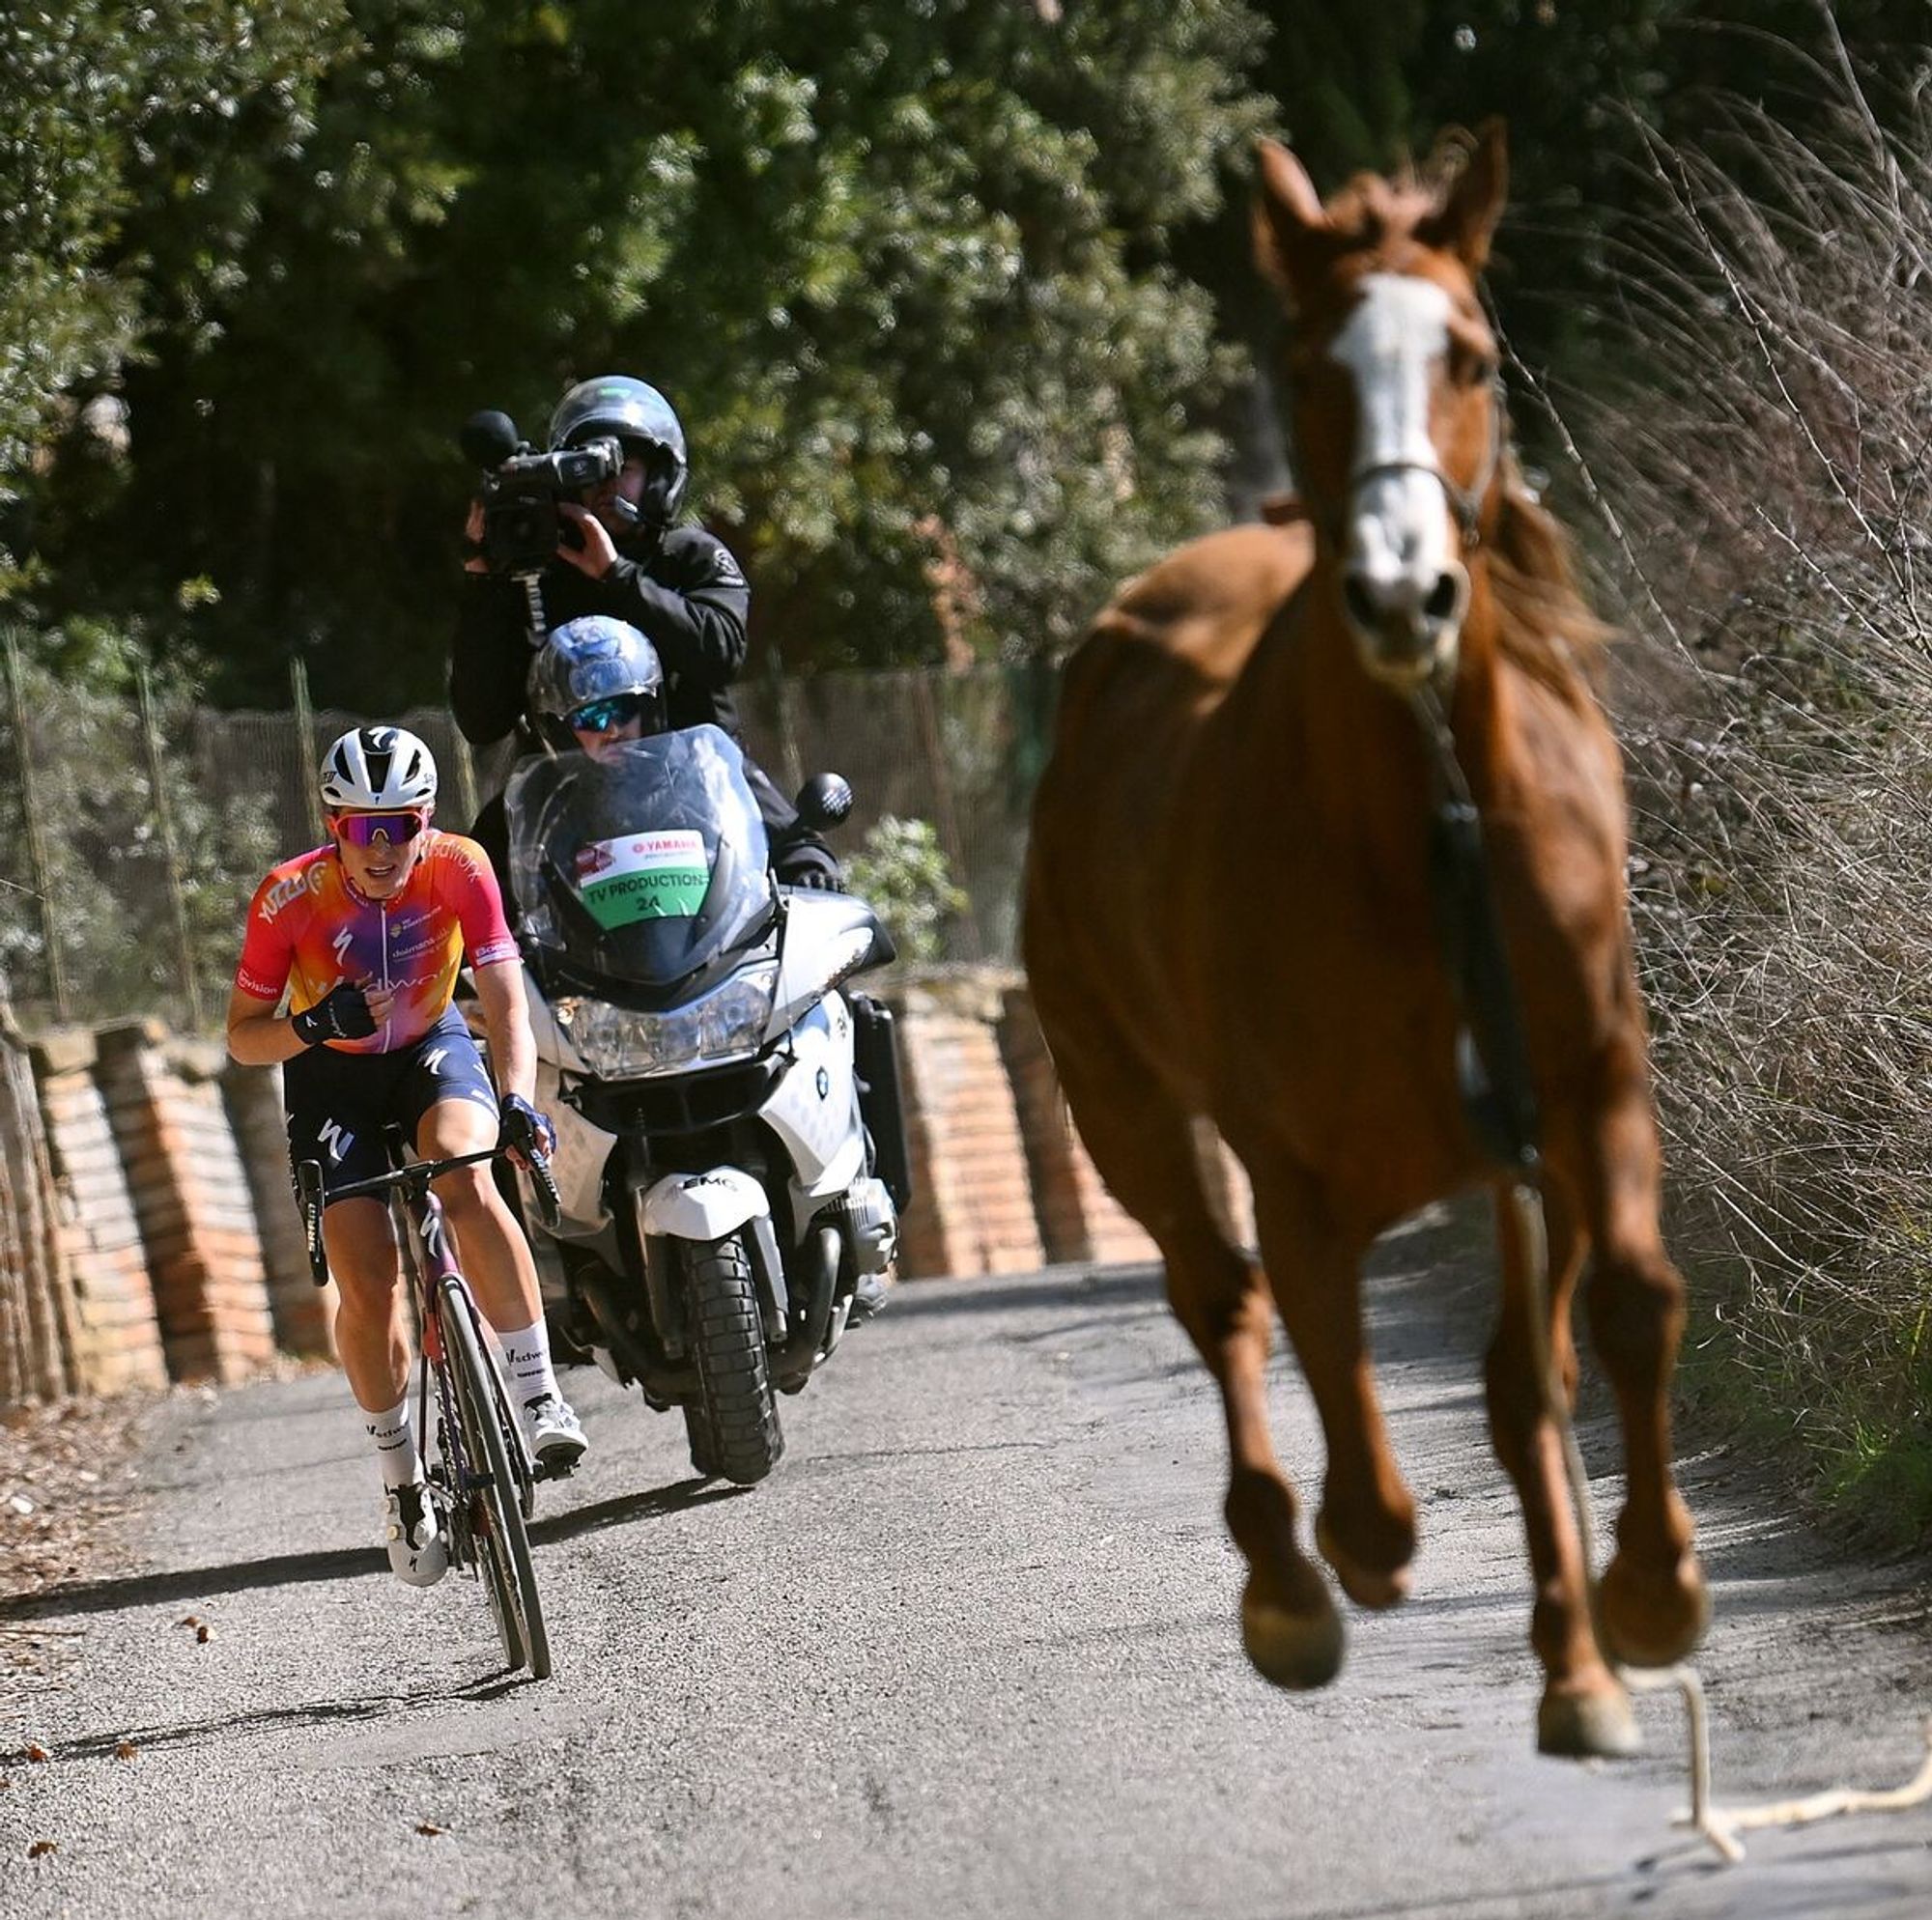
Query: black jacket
[688,598]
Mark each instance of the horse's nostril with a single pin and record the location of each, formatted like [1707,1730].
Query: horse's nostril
[1359,601]
[1444,598]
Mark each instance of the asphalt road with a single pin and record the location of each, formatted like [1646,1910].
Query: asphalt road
[971,1651]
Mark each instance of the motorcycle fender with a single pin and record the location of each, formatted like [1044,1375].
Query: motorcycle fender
[828,938]
[702,1206]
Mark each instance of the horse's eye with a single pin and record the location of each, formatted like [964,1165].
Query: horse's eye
[1470,368]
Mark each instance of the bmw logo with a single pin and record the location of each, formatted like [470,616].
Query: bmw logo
[824,1084]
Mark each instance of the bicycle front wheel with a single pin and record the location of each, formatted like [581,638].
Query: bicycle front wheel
[494,1502]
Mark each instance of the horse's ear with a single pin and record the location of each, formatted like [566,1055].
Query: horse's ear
[1475,201]
[1289,220]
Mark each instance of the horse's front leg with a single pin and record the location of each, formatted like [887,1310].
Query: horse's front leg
[1289,1623]
[1653,1601]
[1366,1529]
[1145,1150]
[1584,1710]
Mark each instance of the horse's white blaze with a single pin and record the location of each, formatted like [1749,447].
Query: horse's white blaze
[1400,544]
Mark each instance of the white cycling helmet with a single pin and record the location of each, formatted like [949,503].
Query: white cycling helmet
[372,768]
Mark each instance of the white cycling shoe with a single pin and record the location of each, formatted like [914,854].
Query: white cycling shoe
[418,1553]
[554,1434]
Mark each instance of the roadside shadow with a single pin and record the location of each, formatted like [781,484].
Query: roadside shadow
[920,1299]
[655,1502]
[316,1713]
[295,1570]
[193,1583]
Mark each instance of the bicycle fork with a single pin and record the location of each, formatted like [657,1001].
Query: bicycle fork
[441,1289]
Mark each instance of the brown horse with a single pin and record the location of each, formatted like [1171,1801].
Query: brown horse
[1228,914]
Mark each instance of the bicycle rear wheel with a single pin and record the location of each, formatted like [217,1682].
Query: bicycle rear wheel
[496,1500]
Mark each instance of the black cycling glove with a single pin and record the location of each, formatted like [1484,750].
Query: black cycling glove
[342,1014]
[523,1129]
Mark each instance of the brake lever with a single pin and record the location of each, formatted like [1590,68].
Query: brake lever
[549,1202]
[308,1194]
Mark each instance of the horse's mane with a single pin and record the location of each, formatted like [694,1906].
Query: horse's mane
[1543,625]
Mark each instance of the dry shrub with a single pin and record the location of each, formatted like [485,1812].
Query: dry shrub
[1768,475]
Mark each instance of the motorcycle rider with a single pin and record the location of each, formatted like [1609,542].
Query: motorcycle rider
[595,684]
[369,931]
[623,554]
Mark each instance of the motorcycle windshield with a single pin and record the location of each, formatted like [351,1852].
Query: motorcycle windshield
[644,865]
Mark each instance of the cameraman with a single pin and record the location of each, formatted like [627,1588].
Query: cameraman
[623,554]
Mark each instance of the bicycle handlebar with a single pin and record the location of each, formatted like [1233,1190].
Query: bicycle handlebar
[413,1178]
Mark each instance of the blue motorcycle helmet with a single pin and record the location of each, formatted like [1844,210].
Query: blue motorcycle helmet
[595,675]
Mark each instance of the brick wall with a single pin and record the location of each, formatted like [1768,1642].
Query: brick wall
[117,1339]
[191,1199]
[304,1312]
[170,1183]
[973,1209]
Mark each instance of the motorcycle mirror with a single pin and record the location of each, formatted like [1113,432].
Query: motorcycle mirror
[824,801]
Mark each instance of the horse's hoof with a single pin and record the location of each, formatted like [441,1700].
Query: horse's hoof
[1363,1585]
[1649,1621]
[1293,1649]
[1597,1725]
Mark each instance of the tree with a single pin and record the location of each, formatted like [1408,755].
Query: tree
[95,98]
[905,272]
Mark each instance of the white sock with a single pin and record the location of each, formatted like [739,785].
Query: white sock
[527,1367]
[395,1444]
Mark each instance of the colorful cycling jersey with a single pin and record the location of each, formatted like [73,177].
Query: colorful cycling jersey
[309,929]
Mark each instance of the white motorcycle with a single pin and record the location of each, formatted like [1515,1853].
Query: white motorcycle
[731,1154]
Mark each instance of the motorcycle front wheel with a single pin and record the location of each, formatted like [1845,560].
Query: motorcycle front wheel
[735,1433]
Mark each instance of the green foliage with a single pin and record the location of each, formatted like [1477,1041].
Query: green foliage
[902,875]
[905,271]
[934,286]
[104,106]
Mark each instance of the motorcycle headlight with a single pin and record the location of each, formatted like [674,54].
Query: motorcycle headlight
[726,1024]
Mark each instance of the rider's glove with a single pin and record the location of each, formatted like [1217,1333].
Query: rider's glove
[523,1129]
[342,1014]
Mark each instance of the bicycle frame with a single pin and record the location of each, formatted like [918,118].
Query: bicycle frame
[429,1263]
[483,1472]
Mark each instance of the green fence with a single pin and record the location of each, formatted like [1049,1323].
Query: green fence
[134,828]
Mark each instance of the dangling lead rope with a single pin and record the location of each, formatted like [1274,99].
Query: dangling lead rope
[1492,1069]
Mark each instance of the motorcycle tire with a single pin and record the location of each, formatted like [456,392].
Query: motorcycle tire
[739,1418]
[703,1449]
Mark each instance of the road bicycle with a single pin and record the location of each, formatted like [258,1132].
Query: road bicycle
[481,1477]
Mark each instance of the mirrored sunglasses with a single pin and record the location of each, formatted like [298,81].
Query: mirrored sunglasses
[361,830]
[601,715]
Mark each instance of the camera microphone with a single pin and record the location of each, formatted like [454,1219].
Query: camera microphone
[489,438]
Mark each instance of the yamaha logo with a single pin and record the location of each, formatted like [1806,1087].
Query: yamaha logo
[824,1085]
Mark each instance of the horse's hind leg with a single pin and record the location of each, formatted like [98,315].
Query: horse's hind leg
[1144,1149]
[1583,1710]
[1652,1605]
[1654,1602]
